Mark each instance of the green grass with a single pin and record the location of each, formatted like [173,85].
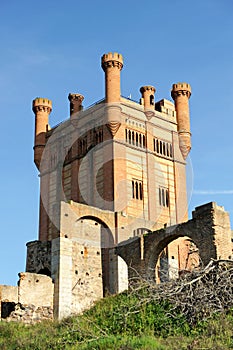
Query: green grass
[122,322]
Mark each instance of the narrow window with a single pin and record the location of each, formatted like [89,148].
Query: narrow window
[136,139]
[160,199]
[151,100]
[133,137]
[129,136]
[171,151]
[167,198]
[163,197]
[133,189]
[126,135]
[140,140]
[140,190]
[143,141]
[136,190]
[160,147]
[167,149]
[157,146]
[164,148]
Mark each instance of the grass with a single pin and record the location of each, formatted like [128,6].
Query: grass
[122,322]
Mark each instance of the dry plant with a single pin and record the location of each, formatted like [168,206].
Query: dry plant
[197,294]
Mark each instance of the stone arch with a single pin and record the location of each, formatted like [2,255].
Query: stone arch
[209,229]
[155,249]
[105,242]
[164,237]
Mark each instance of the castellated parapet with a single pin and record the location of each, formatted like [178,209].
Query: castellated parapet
[40,104]
[181,89]
[112,59]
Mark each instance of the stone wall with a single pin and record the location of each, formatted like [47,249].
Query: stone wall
[29,313]
[209,230]
[39,257]
[31,301]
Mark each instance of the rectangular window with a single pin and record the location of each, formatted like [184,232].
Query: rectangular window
[164,197]
[137,189]
[135,138]
[163,148]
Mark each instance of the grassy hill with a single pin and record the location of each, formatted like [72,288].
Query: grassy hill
[131,320]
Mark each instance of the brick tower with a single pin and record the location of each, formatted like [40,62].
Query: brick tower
[110,172]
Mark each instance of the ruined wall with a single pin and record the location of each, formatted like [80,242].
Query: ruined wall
[39,257]
[31,301]
[209,230]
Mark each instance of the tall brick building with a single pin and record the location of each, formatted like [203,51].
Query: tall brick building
[111,172]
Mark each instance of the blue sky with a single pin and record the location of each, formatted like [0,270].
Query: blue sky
[51,48]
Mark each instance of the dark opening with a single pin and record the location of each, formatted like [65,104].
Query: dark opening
[6,308]
[45,271]
[151,99]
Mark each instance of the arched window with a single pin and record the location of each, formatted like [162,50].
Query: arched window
[136,139]
[151,100]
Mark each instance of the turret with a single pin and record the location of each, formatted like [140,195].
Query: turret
[181,93]
[112,64]
[42,107]
[75,103]
[148,95]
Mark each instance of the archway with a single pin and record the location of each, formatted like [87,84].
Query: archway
[209,230]
[94,234]
[180,239]
[179,257]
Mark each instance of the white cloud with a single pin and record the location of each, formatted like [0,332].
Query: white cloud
[212,192]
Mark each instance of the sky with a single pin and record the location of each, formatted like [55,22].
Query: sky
[52,48]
